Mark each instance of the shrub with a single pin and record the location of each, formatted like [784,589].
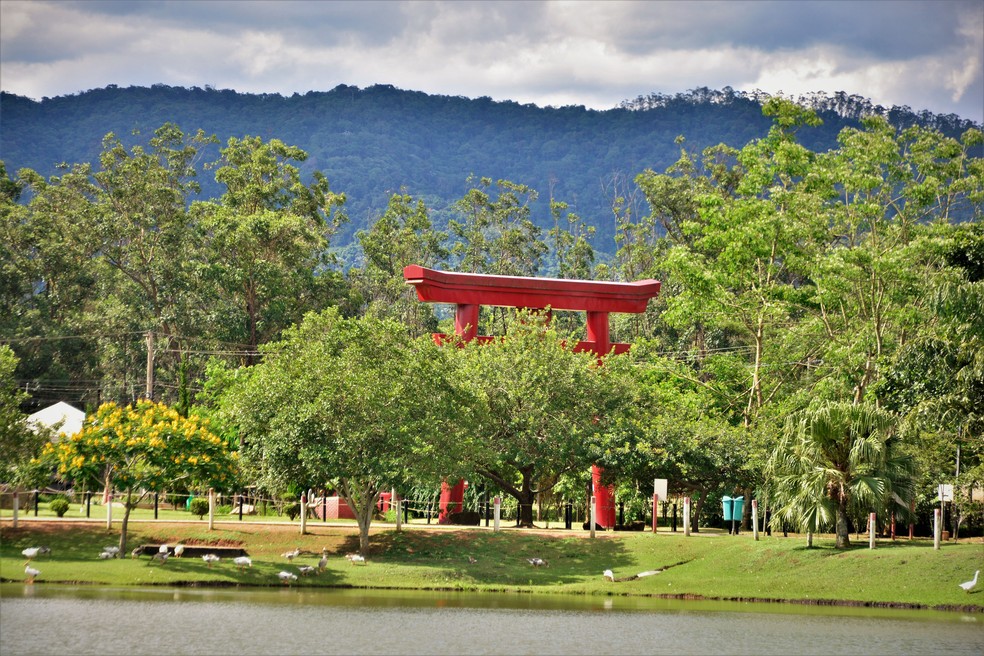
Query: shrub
[293,511]
[198,506]
[59,506]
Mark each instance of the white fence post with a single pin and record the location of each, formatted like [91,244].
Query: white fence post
[211,508]
[592,515]
[16,507]
[303,514]
[755,519]
[937,527]
[109,508]
[686,516]
[871,531]
[497,502]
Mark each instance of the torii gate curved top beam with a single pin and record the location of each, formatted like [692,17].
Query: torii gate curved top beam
[470,291]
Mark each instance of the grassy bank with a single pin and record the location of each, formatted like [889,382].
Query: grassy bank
[709,565]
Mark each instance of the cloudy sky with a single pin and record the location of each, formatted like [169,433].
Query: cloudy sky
[925,54]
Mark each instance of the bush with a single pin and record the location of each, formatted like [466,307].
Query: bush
[198,506]
[293,511]
[59,506]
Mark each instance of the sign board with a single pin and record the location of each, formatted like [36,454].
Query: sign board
[659,487]
[946,492]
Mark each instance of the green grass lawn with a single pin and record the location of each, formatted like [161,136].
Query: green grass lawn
[709,565]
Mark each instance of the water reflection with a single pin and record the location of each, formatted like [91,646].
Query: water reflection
[89,620]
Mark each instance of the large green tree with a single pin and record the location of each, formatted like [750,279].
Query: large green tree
[268,238]
[115,254]
[352,404]
[543,408]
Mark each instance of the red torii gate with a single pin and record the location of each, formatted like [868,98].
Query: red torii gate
[469,291]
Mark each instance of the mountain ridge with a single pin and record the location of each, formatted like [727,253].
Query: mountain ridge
[375,141]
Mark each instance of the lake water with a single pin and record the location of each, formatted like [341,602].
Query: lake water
[47,619]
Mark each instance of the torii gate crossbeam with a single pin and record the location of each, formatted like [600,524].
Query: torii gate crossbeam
[469,291]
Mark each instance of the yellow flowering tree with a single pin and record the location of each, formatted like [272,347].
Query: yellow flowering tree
[143,449]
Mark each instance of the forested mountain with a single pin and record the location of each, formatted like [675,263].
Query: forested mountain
[373,142]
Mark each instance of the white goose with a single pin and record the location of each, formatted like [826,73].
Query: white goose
[210,559]
[323,563]
[32,552]
[179,550]
[287,577]
[242,562]
[31,573]
[305,570]
[969,585]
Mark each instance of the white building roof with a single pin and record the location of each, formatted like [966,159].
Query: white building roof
[69,417]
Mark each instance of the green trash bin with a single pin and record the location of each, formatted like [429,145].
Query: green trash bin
[726,507]
[739,507]
[732,508]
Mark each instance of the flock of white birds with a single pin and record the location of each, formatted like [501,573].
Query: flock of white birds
[165,551]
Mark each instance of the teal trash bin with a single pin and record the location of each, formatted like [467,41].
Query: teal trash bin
[739,507]
[726,507]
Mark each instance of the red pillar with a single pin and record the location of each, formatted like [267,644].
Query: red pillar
[597,333]
[604,499]
[451,500]
[597,329]
[466,321]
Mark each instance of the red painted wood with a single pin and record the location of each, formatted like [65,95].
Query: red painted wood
[534,293]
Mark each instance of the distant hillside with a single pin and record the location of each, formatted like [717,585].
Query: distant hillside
[372,142]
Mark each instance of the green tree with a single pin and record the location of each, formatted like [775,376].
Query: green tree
[402,236]
[836,460]
[871,285]
[144,448]
[496,235]
[740,264]
[543,408]
[352,404]
[117,254]
[19,442]
[268,239]
[935,380]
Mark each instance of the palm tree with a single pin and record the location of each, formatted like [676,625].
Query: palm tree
[834,459]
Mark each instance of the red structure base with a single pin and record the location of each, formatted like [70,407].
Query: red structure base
[604,499]
[451,500]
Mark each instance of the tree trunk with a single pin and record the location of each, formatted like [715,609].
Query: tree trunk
[526,497]
[843,528]
[363,504]
[127,506]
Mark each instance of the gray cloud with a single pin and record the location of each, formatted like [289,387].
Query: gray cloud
[928,55]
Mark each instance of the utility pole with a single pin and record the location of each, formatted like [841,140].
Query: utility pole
[150,365]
